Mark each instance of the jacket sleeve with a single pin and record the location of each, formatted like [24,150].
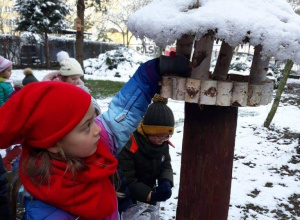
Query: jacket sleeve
[36,209]
[1,95]
[138,190]
[166,169]
[127,108]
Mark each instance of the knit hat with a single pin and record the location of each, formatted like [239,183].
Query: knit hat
[4,63]
[29,77]
[27,71]
[159,118]
[45,114]
[68,66]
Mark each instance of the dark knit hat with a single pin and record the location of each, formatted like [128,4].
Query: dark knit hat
[29,77]
[159,118]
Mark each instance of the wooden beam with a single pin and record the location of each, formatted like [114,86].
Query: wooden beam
[207,158]
[223,62]
[202,57]
[206,162]
[259,67]
[184,45]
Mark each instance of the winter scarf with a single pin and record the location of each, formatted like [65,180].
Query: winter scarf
[88,194]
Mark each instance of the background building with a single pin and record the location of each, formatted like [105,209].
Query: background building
[8,17]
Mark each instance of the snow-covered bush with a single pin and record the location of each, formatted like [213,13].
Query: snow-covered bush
[115,63]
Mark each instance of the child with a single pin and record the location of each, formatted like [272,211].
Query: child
[29,77]
[6,86]
[145,158]
[65,165]
[70,70]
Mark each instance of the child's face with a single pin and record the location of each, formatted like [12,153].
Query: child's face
[159,139]
[74,80]
[82,141]
[6,73]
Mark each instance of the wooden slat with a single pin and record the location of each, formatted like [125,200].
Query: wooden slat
[202,57]
[259,67]
[223,62]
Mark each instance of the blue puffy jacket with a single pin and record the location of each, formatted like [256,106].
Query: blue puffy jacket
[123,116]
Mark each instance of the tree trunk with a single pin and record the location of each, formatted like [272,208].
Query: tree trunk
[80,33]
[206,162]
[47,51]
[286,72]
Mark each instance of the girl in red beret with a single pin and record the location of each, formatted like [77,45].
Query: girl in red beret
[68,156]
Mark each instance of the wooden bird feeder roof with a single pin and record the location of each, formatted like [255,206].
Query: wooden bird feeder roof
[270,23]
[271,26]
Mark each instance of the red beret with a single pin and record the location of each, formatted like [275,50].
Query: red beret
[42,113]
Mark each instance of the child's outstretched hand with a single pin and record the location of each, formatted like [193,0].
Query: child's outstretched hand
[174,65]
[162,192]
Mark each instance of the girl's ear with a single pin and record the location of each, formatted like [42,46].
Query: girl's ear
[54,149]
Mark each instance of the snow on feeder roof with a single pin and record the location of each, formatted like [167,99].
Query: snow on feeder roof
[270,23]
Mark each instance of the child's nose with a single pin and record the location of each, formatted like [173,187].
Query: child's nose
[97,130]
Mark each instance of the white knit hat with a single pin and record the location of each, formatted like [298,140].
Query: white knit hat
[68,66]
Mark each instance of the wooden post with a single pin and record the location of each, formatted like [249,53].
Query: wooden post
[207,159]
[166,87]
[224,93]
[259,67]
[208,92]
[239,94]
[202,57]
[223,62]
[206,162]
[192,92]
[178,85]
[254,94]
[184,45]
[267,93]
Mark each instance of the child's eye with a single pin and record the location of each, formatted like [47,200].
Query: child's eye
[88,126]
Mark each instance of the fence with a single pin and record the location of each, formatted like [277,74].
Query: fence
[11,48]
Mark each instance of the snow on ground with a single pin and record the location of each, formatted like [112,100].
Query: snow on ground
[264,172]
[265,183]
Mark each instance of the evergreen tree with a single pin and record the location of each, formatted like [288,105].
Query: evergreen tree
[41,17]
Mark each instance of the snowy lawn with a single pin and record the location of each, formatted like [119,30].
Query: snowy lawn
[266,182]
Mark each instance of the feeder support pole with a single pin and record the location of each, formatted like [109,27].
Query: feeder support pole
[207,159]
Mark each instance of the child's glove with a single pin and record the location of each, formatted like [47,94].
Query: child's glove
[175,65]
[162,192]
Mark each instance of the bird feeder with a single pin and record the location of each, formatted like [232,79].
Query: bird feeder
[212,99]
[219,88]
